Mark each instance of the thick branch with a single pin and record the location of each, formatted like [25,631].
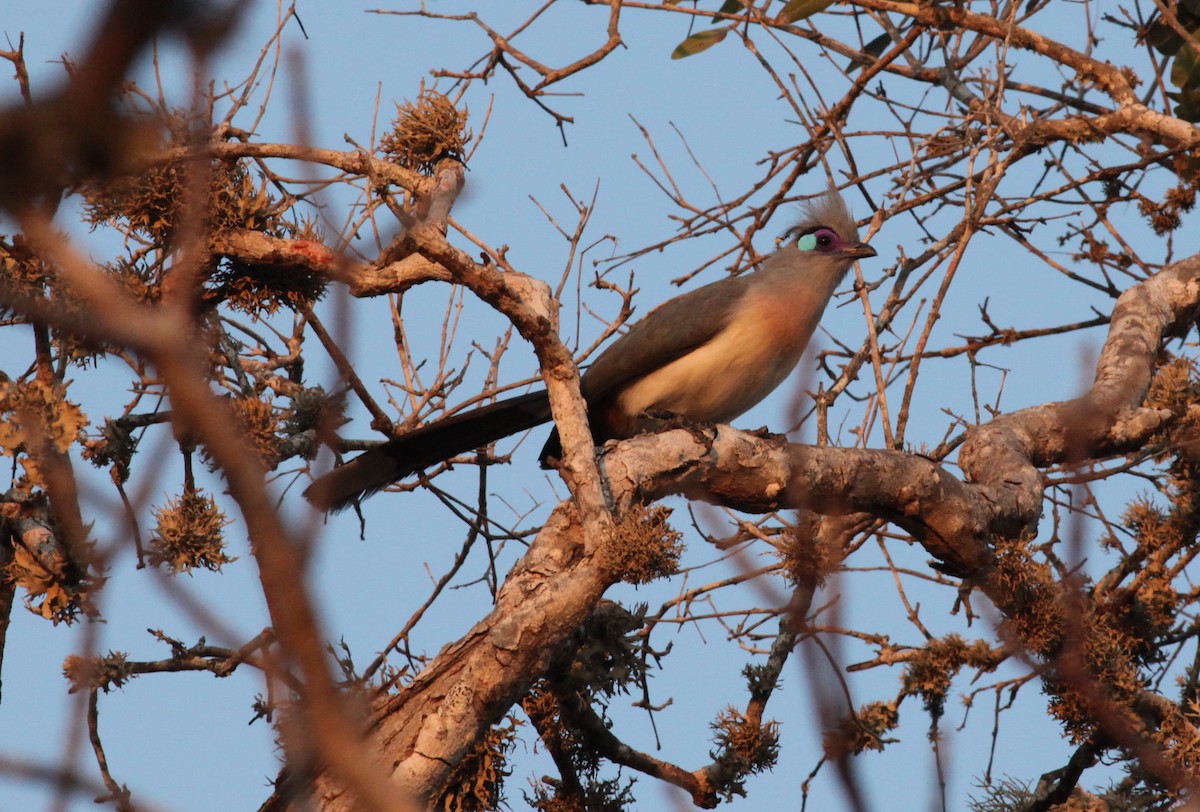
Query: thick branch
[426,729]
[957,520]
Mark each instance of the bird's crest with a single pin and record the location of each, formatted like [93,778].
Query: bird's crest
[829,211]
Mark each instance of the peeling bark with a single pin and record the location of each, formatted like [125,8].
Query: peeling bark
[423,731]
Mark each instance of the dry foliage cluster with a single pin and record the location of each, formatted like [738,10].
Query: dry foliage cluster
[935,115]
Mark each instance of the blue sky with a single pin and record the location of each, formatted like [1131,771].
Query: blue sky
[183,742]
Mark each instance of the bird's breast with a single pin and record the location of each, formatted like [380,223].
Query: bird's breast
[737,368]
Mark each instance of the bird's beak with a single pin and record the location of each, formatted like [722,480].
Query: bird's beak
[860,251]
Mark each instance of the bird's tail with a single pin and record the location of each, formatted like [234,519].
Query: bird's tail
[374,470]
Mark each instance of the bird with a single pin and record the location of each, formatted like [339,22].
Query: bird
[706,356]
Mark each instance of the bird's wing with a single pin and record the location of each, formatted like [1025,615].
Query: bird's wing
[668,332]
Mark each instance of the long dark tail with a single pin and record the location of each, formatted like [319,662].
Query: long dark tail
[397,458]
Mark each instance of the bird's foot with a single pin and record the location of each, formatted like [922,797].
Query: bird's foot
[666,421]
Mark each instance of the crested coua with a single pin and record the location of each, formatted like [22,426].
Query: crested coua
[706,356]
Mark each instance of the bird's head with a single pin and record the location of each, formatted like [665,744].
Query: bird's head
[827,229]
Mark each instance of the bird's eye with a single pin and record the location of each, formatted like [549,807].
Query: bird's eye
[821,238]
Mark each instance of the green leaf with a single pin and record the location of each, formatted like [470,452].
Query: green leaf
[1185,74]
[1185,71]
[731,7]
[873,48]
[1188,111]
[803,9]
[700,42]
[1163,38]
